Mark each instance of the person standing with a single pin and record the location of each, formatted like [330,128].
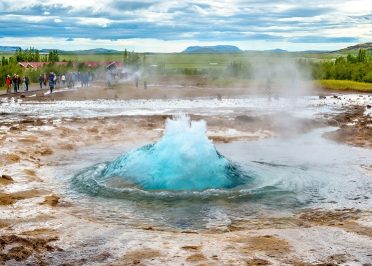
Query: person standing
[15,83]
[8,83]
[27,82]
[45,79]
[24,84]
[19,81]
[51,82]
[137,80]
[63,79]
[41,79]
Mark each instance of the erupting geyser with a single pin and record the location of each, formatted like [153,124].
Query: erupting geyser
[184,159]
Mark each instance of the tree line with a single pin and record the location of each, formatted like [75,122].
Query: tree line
[30,55]
[350,67]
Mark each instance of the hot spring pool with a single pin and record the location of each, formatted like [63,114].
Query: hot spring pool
[184,181]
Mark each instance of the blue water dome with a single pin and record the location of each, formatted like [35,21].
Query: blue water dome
[183,159]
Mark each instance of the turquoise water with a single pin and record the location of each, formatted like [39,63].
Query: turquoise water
[185,181]
[183,159]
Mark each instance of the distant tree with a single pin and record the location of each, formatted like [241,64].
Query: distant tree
[340,60]
[30,55]
[4,61]
[362,57]
[53,56]
[351,59]
[131,59]
[69,64]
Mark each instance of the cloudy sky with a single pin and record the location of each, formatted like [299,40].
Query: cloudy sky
[171,26]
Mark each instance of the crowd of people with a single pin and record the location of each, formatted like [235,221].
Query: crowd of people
[51,80]
[16,82]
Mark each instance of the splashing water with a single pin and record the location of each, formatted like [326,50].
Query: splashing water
[183,159]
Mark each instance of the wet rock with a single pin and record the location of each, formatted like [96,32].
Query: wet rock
[6,179]
[11,198]
[245,118]
[19,253]
[39,122]
[22,96]
[368,106]
[138,256]
[9,158]
[14,247]
[322,97]
[45,151]
[51,200]
[257,262]
[196,257]
[191,248]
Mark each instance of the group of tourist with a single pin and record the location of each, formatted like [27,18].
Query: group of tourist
[51,80]
[16,81]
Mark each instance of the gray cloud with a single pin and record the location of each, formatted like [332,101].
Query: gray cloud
[292,21]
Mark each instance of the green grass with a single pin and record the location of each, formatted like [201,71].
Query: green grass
[92,57]
[345,85]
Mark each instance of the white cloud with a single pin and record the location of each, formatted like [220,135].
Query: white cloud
[101,22]
[219,21]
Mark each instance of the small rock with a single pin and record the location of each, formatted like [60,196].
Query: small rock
[51,200]
[7,177]
[368,106]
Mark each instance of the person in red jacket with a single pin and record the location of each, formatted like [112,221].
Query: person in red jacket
[8,83]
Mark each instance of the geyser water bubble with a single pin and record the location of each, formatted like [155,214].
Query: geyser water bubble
[183,159]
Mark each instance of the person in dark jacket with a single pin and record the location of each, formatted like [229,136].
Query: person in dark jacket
[51,82]
[41,80]
[15,83]
[27,81]
[19,81]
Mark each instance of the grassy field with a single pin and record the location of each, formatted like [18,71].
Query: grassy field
[180,57]
[345,85]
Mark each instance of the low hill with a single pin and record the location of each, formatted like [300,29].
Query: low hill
[212,49]
[277,50]
[94,51]
[366,46]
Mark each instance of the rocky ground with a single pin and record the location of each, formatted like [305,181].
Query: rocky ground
[38,226]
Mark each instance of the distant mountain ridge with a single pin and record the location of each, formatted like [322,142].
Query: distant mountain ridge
[88,51]
[5,49]
[11,49]
[212,49]
[94,51]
